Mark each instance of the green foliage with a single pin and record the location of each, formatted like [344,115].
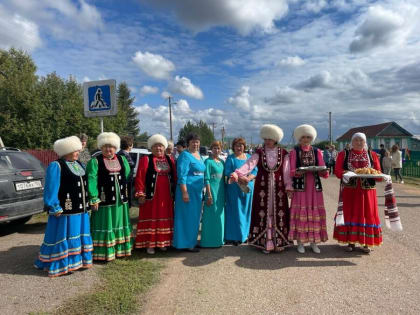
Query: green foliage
[322,144]
[34,112]
[201,128]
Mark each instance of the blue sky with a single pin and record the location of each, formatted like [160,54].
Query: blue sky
[237,63]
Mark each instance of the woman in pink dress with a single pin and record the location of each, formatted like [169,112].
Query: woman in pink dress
[307,212]
[270,208]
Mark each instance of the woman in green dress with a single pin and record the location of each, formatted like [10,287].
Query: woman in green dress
[108,176]
[213,222]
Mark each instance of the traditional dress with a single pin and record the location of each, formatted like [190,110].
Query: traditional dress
[307,211]
[270,209]
[67,242]
[213,222]
[238,203]
[190,172]
[111,227]
[360,207]
[155,179]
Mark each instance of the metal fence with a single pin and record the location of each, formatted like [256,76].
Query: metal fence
[411,169]
[45,156]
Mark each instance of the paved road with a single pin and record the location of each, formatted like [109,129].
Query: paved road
[241,280]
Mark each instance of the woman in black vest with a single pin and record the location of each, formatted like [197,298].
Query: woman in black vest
[67,242]
[155,188]
[307,212]
[108,176]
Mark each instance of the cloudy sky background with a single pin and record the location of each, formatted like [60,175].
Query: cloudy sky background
[235,63]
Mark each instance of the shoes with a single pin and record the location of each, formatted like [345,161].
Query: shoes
[315,248]
[402,182]
[366,250]
[193,250]
[266,251]
[236,243]
[301,249]
[163,249]
[151,251]
[350,248]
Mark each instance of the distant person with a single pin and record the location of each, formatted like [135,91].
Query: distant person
[170,148]
[382,154]
[127,143]
[326,155]
[67,242]
[180,147]
[387,163]
[347,147]
[396,156]
[334,153]
[84,155]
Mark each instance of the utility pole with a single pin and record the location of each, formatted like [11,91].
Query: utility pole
[170,117]
[330,129]
[223,136]
[213,124]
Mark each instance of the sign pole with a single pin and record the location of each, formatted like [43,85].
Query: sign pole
[102,124]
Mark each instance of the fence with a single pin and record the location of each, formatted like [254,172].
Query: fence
[411,168]
[45,156]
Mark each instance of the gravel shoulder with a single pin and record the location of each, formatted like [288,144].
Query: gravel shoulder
[241,280]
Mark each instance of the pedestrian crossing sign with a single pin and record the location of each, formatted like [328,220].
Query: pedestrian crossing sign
[99,98]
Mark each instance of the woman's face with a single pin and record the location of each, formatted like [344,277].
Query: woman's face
[194,145]
[216,151]
[72,156]
[108,151]
[269,143]
[238,149]
[358,144]
[158,150]
[305,140]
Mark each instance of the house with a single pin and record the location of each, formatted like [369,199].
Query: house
[388,133]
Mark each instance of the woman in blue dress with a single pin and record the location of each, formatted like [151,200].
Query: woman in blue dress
[67,242]
[188,196]
[238,201]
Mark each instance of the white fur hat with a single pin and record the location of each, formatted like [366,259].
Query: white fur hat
[304,130]
[67,145]
[157,138]
[110,138]
[272,132]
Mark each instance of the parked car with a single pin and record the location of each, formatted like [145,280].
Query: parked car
[21,185]
[136,155]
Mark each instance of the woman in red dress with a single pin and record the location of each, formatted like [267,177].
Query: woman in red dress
[154,184]
[360,207]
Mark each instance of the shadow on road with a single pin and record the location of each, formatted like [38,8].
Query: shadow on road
[28,228]
[19,261]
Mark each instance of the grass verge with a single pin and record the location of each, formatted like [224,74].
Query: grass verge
[122,282]
[413,181]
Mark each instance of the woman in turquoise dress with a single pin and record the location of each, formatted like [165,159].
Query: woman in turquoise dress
[67,242]
[213,222]
[238,202]
[188,196]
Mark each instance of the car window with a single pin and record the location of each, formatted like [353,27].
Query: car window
[133,157]
[10,161]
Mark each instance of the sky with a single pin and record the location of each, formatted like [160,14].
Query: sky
[237,64]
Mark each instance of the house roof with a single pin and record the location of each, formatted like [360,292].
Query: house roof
[375,131]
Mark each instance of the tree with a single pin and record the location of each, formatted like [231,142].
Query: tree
[201,129]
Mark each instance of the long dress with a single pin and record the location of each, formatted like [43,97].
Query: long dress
[190,172]
[307,211]
[213,221]
[111,227]
[238,203]
[270,208]
[156,215]
[360,207]
[67,244]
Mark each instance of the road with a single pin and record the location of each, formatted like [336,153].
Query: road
[242,280]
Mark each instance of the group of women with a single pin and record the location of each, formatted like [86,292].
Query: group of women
[242,199]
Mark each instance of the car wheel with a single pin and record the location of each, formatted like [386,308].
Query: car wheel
[21,221]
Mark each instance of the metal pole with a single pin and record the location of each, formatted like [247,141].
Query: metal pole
[170,117]
[330,132]
[102,124]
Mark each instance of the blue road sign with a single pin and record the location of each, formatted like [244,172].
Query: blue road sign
[99,98]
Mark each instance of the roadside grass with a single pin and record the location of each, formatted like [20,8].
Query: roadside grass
[412,181]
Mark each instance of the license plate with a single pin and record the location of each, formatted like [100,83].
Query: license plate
[28,185]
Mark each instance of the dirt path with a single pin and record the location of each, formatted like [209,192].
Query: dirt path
[25,289]
[241,280]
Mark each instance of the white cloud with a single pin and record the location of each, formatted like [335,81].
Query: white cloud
[321,80]
[147,89]
[243,15]
[242,99]
[165,94]
[184,86]
[291,61]
[153,65]
[17,31]
[381,28]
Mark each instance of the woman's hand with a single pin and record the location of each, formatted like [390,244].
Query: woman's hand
[243,180]
[289,193]
[95,207]
[209,201]
[142,199]
[185,197]
[299,173]
[58,214]
[233,178]
[323,173]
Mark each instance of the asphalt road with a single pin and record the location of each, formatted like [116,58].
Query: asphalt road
[242,280]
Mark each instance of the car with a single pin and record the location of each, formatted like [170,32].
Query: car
[136,155]
[22,179]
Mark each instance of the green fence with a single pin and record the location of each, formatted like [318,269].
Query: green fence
[411,168]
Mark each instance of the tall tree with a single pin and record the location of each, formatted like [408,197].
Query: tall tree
[201,129]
